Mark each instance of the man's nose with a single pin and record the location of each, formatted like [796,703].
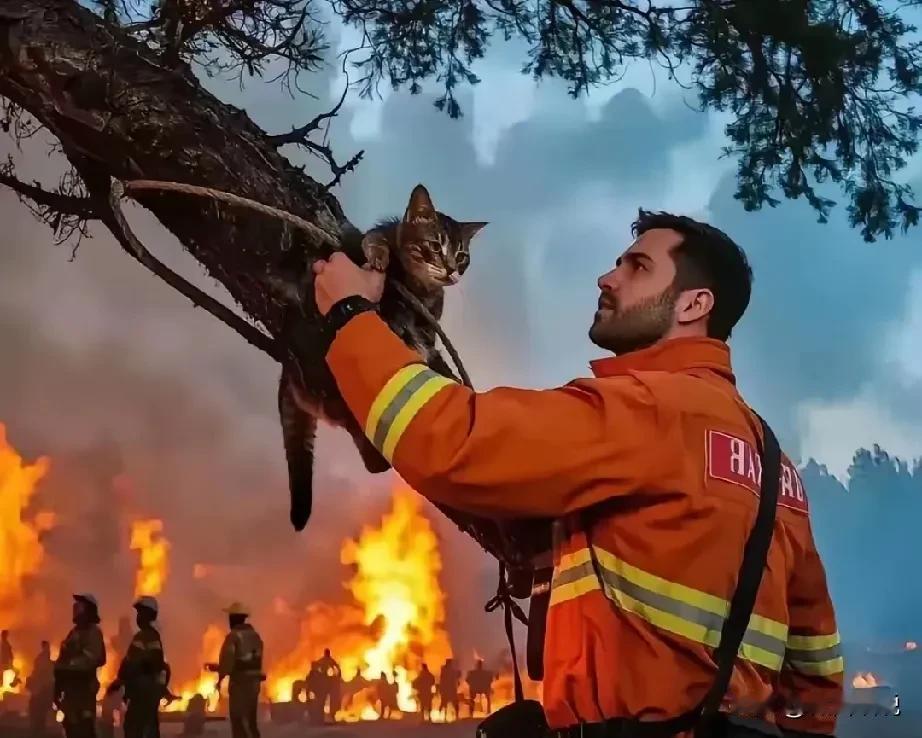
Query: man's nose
[606,282]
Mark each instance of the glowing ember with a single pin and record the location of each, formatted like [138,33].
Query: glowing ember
[21,550]
[865,680]
[205,683]
[147,537]
[394,625]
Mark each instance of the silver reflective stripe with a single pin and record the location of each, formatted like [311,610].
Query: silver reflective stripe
[821,654]
[397,404]
[650,605]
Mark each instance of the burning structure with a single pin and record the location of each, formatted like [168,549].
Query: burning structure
[386,623]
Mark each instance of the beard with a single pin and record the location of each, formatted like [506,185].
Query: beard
[636,327]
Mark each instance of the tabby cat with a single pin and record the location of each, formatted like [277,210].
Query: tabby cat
[425,251]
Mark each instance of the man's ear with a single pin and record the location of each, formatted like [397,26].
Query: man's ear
[694,305]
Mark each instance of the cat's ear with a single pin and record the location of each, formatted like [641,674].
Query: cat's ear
[469,230]
[420,208]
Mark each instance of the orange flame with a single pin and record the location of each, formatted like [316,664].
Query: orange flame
[147,538]
[865,680]
[206,682]
[395,622]
[21,550]
[11,680]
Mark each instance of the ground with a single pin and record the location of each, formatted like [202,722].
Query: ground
[906,725]
[383,729]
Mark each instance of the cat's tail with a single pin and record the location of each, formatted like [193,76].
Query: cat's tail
[374,461]
[299,429]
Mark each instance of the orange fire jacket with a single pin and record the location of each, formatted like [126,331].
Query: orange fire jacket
[650,467]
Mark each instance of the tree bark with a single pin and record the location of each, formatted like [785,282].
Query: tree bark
[119,114]
[117,111]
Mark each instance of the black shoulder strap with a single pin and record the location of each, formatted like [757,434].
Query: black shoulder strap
[755,556]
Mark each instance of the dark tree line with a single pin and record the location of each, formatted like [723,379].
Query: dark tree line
[866,529]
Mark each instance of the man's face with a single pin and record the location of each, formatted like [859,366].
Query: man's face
[637,302]
[79,610]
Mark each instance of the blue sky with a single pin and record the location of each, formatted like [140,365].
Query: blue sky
[830,351]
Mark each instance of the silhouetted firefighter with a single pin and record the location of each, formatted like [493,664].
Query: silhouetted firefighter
[82,652]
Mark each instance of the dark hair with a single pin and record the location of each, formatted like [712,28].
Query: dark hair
[706,258]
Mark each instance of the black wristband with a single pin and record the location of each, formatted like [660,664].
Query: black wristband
[344,310]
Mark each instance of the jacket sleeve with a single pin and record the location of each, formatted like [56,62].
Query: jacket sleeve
[505,452]
[811,684]
[228,656]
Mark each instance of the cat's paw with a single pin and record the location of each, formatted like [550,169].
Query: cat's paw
[377,254]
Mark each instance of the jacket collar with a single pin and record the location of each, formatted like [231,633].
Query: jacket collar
[673,355]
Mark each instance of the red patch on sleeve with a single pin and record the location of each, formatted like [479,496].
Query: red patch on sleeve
[734,460]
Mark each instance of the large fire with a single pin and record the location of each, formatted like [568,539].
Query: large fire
[20,546]
[206,682]
[396,621]
[21,549]
[148,539]
[865,680]
[391,622]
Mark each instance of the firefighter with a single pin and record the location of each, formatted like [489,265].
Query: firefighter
[331,684]
[241,662]
[449,681]
[82,652]
[40,684]
[143,674]
[6,652]
[480,684]
[424,686]
[649,470]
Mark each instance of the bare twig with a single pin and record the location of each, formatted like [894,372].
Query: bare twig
[114,218]
[299,135]
[82,207]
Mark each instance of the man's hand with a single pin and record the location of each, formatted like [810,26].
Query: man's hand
[340,277]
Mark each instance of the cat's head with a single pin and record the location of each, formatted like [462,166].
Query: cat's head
[432,247]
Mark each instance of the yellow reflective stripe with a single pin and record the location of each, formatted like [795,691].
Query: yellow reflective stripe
[682,593]
[812,643]
[817,655]
[402,397]
[387,394]
[818,668]
[670,606]
[572,590]
[408,412]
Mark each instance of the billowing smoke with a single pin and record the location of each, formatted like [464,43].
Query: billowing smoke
[149,409]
